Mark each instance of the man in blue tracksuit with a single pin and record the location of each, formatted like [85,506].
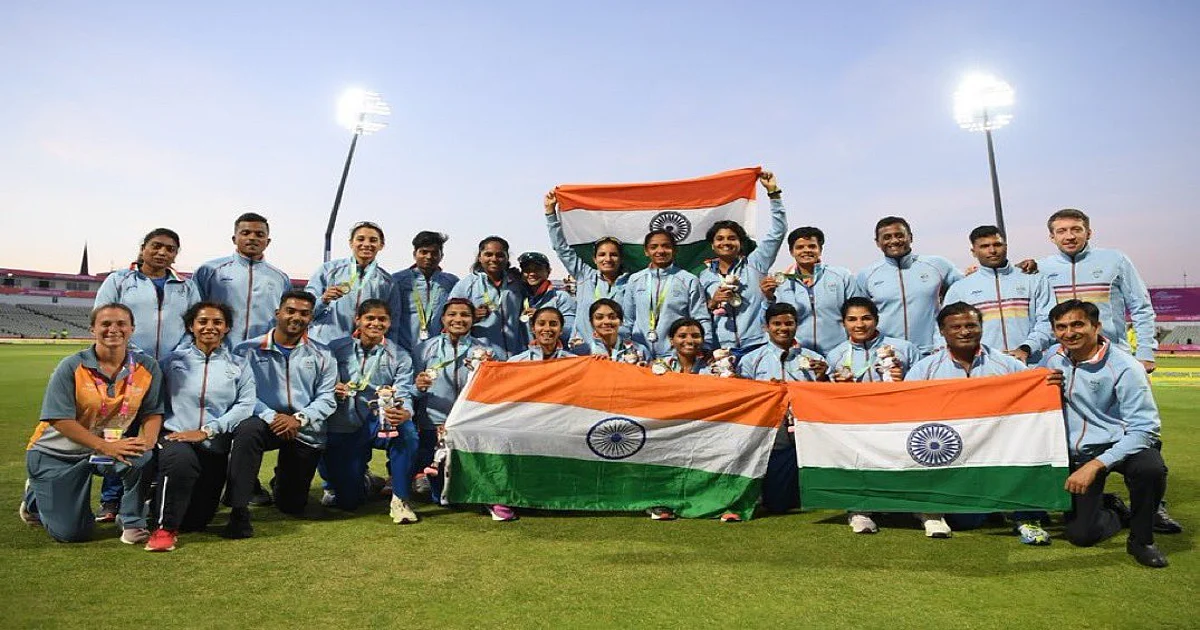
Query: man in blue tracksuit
[905,286]
[965,356]
[1104,277]
[1015,305]
[244,280]
[1112,425]
[816,290]
[738,326]
[295,378]
[782,359]
[419,292]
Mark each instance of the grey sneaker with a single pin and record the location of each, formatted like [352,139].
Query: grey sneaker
[135,536]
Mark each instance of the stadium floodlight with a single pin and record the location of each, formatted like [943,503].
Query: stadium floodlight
[359,111]
[983,103]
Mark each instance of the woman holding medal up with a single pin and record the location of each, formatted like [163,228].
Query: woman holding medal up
[540,293]
[495,291]
[731,280]
[209,392]
[443,365]
[661,294]
[605,280]
[375,404]
[606,339]
[687,356]
[341,285]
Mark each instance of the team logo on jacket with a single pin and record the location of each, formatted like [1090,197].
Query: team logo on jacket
[1097,273]
[934,444]
[616,438]
[673,223]
[924,277]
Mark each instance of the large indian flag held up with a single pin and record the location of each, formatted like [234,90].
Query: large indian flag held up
[965,445]
[592,434]
[685,208]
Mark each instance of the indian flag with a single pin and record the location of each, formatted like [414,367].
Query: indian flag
[987,444]
[685,208]
[592,434]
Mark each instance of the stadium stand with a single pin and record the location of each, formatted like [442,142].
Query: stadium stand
[19,320]
[73,318]
[1181,335]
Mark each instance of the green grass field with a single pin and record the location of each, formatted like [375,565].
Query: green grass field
[457,569]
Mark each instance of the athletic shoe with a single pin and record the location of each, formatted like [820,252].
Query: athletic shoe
[1032,533]
[260,497]
[328,498]
[1163,523]
[730,517]
[935,525]
[28,516]
[239,524]
[374,484]
[661,513]
[1146,555]
[135,535]
[401,512]
[502,513]
[1114,503]
[161,540]
[421,485]
[108,511]
[861,523]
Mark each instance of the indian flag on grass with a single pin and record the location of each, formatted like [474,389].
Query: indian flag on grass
[987,444]
[592,434]
[685,208]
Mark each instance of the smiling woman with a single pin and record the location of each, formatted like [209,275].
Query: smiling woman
[341,285]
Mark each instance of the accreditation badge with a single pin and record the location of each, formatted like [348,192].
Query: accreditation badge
[110,435]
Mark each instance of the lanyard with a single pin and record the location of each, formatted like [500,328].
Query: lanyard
[849,362]
[422,316]
[102,390]
[366,368]
[487,300]
[656,305]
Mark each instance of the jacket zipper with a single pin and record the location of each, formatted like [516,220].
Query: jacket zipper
[1000,306]
[204,390]
[249,296]
[903,299]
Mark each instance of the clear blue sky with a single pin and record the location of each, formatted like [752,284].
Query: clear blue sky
[121,117]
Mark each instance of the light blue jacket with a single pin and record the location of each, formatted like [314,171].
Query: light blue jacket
[682,297]
[158,326]
[1108,279]
[589,286]
[502,328]
[336,319]
[1108,405]
[450,360]
[560,300]
[302,382]
[940,365]
[535,353]
[772,362]
[391,365]
[742,326]
[861,358]
[215,390]
[252,288]
[908,292]
[819,307]
[625,346]
[1015,306]
[416,299]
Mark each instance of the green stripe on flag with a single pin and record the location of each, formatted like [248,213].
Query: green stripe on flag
[558,483]
[954,490]
[690,257]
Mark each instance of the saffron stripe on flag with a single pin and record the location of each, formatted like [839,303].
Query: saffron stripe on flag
[699,192]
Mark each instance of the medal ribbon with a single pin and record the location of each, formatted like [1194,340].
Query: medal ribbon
[422,316]
[656,305]
[366,368]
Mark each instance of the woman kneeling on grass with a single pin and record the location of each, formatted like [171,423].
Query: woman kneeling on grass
[210,391]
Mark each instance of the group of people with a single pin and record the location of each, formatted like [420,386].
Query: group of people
[190,380]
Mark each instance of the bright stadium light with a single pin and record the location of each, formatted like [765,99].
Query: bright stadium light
[983,103]
[359,111]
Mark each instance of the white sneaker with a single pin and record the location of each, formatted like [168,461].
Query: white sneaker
[861,523]
[135,536]
[935,525]
[31,519]
[401,512]
[328,498]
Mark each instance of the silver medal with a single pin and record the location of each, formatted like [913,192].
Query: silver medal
[423,335]
[652,336]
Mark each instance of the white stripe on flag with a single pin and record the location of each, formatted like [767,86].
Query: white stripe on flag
[630,226]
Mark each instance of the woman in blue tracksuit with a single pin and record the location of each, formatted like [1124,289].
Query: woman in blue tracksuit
[368,361]
[731,280]
[661,294]
[605,280]
[158,297]
[496,291]
[209,392]
[442,365]
[539,293]
[341,285]
[606,340]
[548,324]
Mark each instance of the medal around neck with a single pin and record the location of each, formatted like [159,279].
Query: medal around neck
[779,277]
[432,373]
[659,367]
[652,336]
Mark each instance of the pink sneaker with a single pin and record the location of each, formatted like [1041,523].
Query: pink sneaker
[502,513]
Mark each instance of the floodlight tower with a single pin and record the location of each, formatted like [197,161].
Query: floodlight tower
[983,103]
[360,112]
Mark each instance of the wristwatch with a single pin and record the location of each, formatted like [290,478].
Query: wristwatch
[208,430]
[301,417]
[775,193]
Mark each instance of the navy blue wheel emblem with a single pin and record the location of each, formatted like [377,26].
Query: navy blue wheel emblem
[616,438]
[673,223]
[934,444]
